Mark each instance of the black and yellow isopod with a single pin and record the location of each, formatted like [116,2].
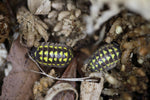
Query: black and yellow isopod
[105,58]
[52,55]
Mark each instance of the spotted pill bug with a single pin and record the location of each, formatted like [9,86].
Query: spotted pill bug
[52,55]
[104,58]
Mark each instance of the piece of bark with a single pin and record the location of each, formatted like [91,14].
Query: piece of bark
[18,84]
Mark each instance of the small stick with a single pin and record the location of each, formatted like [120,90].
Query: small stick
[61,79]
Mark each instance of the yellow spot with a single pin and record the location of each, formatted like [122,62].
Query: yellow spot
[93,67]
[97,57]
[53,64]
[51,46]
[95,70]
[58,64]
[35,54]
[61,53]
[90,63]
[117,53]
[44,63]
[40,46]
[113,55]
[55,59]
[65,48]
[70,52]
[104,52]
[62,64]
[60,59]
[103,59]
[51,53]
[108,58]
[66,54]
[101,69]
[108,64]
[55,53]
[41,58]
[50,59]
[60,47]
[112,63]
[41,52]
[93,60]
[46,53]
[46,59]
[100,62]
[104,66]
[49,64]
[116,61]
[96,65]
[115,49]
[69,59]
[46,46]
[101,55]
[39,62]
[55,47]
[110,50]
[38,49]
[65,59]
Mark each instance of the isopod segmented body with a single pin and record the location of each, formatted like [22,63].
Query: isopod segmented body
[52,55]
[104,58]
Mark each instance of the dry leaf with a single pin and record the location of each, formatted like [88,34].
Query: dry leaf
[39,7]
[32,28]
[18,84]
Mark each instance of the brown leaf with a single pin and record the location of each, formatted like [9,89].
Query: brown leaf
[18,84]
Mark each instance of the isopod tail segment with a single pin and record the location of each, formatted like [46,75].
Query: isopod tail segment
[60,79]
